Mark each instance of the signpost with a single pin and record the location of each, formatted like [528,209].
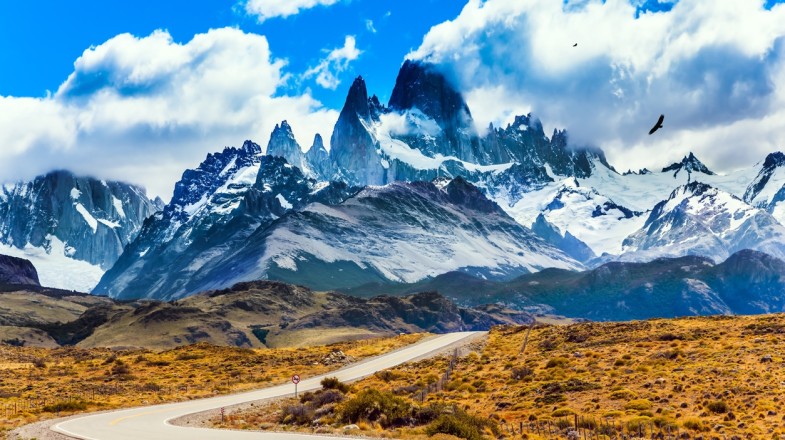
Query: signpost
[222,414]
[295,381]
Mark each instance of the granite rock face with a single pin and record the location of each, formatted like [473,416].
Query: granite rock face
[91,219]
[17,271]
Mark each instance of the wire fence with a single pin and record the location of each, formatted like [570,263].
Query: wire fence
[442,382]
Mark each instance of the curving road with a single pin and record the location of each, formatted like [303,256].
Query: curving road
[152,422]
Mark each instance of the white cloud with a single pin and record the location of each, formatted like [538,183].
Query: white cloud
[145,109]
[265,9]
[336,62]
[369,26]
[715,69]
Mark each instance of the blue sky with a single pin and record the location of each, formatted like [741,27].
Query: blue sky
[140,91]
[42,39]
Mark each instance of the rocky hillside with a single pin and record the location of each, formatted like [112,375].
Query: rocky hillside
[17,271]
[254,314]
[748,282]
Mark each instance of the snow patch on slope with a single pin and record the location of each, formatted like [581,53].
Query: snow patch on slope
[118,206]
[87,217]
[54,267]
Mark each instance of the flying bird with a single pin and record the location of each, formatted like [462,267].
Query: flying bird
[575,45]
[658,125]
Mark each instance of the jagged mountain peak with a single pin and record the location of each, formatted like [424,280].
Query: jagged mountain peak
[689,164]
[640,172]
[421,85]
[282,143]
[318,142]
[284,128]
[357,104]
[318,159]
[249,147]
[766,190]
[527,122]
[774,160]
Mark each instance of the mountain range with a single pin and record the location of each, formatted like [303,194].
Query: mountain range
[408,191]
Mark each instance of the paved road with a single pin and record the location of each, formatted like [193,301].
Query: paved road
[152,422]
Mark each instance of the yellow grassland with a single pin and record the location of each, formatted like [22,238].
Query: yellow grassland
[713,377]
[37,382]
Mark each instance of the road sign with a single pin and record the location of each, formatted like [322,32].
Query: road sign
[295,381]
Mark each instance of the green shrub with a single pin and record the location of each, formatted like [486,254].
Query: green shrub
[623,394]
[636,424]
[519,373]
[461,425]
[297,414]
[562,412]
[717,407]
[386,375]
[694,424]
[574,385]
[74,405]
[332,383]
[372,405]
[558,362]
[638,405]
[188,356]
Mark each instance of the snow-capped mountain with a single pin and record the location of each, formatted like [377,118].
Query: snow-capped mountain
[242,216]
[767,190]
[71,228]
[223,202]
[698,219]
[330,236]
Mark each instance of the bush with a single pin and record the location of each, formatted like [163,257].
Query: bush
[623,394]
[74,405]
[558,362]
[562,412]
[120,368]
[717,407]
[372,405]
[638,405]
[574,385]
[638,424]
[386,375]
[694,424]
[297,415]
[461,425]
[326,397]
[332,383]
[188,356]
[519,373]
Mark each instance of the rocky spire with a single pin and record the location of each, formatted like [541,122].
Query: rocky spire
[318,159]
[283,144]
[352,145]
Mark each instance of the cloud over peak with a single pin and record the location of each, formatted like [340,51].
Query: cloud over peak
[706,65]
[142,109]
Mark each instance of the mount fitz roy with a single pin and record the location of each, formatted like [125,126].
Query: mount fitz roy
[412,189]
